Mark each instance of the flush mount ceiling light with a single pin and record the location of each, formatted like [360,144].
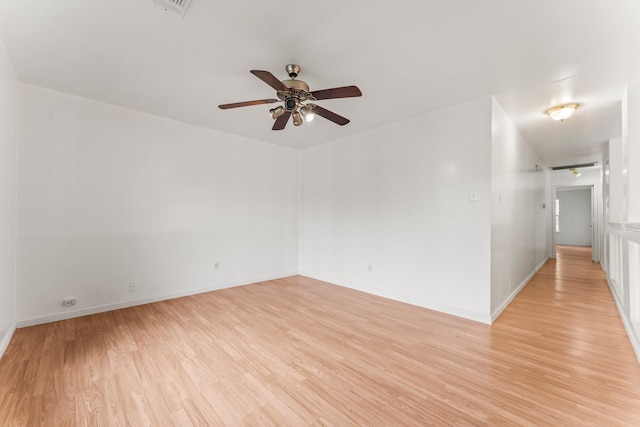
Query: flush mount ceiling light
[562,112]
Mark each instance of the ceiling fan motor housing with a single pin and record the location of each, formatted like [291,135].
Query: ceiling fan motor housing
[298,91]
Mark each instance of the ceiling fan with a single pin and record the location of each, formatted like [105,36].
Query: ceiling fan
[296,97]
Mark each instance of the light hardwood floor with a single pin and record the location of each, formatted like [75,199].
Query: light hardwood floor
[301,352]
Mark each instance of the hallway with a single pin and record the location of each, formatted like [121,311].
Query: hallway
[569,344]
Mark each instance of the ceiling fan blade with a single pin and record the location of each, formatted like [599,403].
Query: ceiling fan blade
[247,103]
[330,115]
[281,121]
[337,92]
[269,79]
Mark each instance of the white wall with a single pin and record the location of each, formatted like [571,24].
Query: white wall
[397,199]
[631,143]
[107,196]
[8,118]
[617,196]
[603,223]
[622,224]
[519,223]
[575,217]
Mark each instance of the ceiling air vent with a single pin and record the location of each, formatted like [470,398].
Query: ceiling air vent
[176,6]
[582,165]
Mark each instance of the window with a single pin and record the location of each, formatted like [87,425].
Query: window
[557,216]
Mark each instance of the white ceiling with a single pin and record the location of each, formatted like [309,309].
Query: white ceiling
[407,57]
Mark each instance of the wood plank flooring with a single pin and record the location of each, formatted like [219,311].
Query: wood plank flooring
[300,352]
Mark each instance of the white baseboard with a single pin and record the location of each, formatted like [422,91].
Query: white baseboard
[498,311]
[4,342]
[430,305]
[628,326]
[38,320]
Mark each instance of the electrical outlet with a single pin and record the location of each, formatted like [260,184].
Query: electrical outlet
[68,302]
[133,287]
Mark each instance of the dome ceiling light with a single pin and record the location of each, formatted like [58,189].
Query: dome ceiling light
[562,112]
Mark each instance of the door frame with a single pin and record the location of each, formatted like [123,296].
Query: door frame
[596,224]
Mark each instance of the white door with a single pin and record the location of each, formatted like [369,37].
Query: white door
[575,222]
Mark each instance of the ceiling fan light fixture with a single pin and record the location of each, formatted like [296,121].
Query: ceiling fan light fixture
[297,120]
[307,113]
[562,112]
[276,112]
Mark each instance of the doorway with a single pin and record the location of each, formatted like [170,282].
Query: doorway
[573,217]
